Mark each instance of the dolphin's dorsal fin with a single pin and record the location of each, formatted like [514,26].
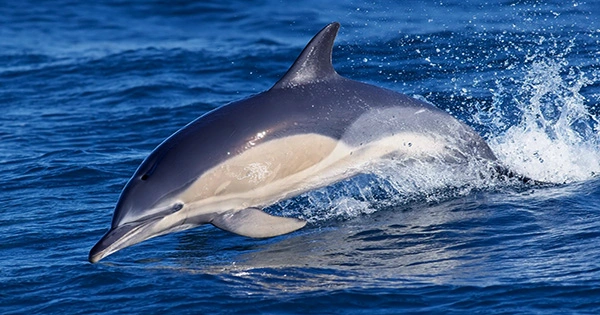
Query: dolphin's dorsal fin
[314,63]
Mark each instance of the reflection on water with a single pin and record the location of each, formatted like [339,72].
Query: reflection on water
[405,246]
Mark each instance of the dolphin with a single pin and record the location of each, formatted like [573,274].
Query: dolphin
[313,128]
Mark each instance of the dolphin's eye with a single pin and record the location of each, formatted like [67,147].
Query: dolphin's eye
[145,176]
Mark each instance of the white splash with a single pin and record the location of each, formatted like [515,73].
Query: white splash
[557,138]
[391,183]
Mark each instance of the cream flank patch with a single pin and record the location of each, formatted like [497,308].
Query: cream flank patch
[289,166]
[261,165]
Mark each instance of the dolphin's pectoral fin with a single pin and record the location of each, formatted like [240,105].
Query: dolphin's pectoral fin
[252,222]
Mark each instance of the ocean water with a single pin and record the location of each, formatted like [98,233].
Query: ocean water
[88,89]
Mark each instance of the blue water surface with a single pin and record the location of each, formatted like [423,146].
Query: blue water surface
[88,89]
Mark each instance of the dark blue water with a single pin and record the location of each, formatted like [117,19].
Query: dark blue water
[87,90]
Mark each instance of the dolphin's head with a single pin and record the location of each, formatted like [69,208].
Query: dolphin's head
[146,204]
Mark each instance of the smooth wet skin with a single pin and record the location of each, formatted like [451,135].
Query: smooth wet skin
[311,129]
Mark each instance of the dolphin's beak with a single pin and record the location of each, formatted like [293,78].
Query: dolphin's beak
[122,236]
[131,233]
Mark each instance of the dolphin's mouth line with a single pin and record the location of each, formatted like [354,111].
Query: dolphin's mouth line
[101,250]
[160,213]
[129,231]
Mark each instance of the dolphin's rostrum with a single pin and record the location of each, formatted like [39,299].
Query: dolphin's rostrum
[311,129]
